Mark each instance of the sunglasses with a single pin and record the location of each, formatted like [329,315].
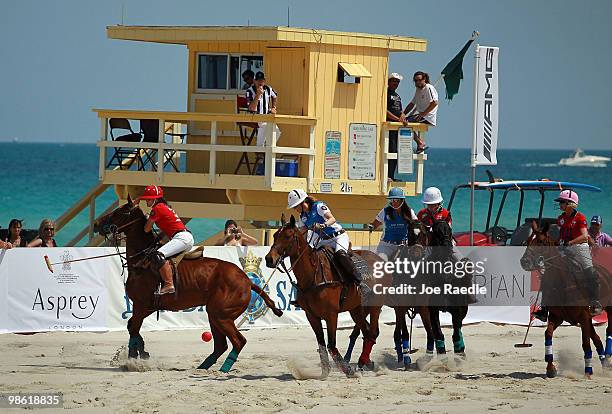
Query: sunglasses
[49,228]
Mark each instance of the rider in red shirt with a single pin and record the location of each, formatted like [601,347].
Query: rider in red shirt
[432,198]
[573,233]
[169,222]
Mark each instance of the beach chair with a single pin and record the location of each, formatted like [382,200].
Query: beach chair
[124,157]
[150,133]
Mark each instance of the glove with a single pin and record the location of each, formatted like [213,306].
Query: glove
[370,228]
[319,226]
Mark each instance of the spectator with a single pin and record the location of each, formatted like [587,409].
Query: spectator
[14,234]
[234,236]
[261,99]
[425,101]
[596,236]
[249,78]
[46,231]
[395,113]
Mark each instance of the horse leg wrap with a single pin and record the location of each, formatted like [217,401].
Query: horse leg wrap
[133,347]
[229,361]
[430,346]
[548,353]
[208,362]
[398,350]
[406,352]
[349,349]
[440,346]
[609,345]
[588,362]
[141,348]
[364,358]
[458,345]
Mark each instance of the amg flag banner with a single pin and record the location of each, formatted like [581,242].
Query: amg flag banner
[487,106]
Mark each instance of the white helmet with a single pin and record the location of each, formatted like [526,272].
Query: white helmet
[296,197]
[432,195]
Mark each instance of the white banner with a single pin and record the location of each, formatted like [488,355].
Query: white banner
[90,295]
[487,106]
[73,298]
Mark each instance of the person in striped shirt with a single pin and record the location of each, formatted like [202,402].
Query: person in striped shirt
[262,99]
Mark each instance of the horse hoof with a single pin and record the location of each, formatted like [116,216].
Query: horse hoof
[144,355]
[367,365]
[133,354]
[607,362]
[551,373]
[588,376]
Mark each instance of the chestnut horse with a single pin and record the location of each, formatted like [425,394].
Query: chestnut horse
[222,286]
[542,255]
[319,294]
[412,250]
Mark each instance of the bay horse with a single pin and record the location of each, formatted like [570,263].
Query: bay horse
[441,242]
[411,250]
[542,255]
[322,295]
[221,286]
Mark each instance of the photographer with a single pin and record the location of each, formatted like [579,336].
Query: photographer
[234,236]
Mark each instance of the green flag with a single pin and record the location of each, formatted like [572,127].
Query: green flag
[453,72]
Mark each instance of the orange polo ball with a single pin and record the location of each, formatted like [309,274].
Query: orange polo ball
[206,336]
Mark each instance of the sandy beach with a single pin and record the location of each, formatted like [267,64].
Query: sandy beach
[93,373]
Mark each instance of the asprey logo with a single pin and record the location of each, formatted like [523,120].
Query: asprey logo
[488,104]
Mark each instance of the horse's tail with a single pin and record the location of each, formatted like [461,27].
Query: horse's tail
[266,299]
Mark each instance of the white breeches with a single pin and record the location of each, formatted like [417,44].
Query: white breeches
[181,242]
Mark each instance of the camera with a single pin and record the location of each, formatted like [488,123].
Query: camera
[235,231]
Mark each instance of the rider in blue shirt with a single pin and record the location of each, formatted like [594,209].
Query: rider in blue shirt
[395,217]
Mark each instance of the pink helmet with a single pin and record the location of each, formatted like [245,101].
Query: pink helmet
[568,195]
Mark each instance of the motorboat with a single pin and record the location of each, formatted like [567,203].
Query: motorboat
[580,159]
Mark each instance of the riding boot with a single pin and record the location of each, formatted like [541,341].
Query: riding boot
[166,275]
[348,267]
[542,313]
[592,285]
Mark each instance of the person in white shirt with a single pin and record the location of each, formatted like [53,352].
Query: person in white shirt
[425,102]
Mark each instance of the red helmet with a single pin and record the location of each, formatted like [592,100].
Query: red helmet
[152,192]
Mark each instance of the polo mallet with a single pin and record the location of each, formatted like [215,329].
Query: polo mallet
[50,265]
[411,315]
[531,318]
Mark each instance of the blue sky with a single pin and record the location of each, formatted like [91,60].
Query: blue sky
[57,63]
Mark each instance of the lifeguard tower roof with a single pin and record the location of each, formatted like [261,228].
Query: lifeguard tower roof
[220,158]
[183,35]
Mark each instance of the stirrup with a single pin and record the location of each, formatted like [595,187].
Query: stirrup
[160,293]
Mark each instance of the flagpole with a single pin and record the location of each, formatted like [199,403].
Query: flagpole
[473,163]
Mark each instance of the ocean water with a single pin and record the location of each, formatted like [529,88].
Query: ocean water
[44,180]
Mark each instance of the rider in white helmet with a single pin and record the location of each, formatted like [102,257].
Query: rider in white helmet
[433,211]
[324,230]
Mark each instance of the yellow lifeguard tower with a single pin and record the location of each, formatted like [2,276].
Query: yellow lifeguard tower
[332,94]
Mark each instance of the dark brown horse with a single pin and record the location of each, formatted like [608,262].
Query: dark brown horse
[401,335]
[319,294]
[222,286]
[441,242]
[570,301]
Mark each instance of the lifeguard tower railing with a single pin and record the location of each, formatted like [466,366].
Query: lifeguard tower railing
[211,177]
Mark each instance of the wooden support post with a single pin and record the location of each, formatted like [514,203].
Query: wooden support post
[212,170]
[271,138]
[420,173]
[103,138]
[92,216]
[385,160]
[311,163]
[161,154]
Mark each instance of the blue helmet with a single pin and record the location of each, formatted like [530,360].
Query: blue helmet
[395,193]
